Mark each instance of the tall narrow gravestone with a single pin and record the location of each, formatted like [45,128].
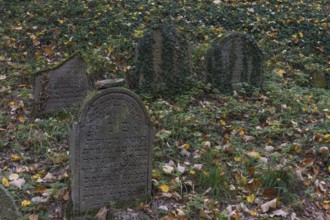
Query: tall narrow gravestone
[163,62]
[61,88]
[234,62]
[110,151]
[8,209]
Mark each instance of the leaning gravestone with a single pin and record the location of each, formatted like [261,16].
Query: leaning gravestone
[8,209]
[234,62]
[110,151]
[163,62]
[61,88]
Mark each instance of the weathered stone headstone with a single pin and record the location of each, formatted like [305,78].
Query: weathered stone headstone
[163,62]
[110,151]
[8,209]
[61,88]
[234,62]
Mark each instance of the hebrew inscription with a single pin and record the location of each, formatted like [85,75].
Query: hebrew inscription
[62,88]
[110,152]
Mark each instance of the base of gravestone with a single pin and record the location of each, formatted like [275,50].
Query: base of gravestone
[117,211]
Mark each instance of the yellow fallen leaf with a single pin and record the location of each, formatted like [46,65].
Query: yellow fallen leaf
[252,212]
[253,154]
[26,203]
[61,21]
[35,177]
[5,182]
[2,58]
[187,146]
[15,158]
[281,72]
[192,172]
[237,159]
[164,188]
[326,138]
[222,122]
[297,148]
[250,198]
[329,168]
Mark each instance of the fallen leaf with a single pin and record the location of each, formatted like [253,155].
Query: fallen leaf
[2,77]
[15,158]
[102,214]
[13,176]
[168,169]
[180,168]
[324,150]
[250,198]
[253,154]
[266,206]
[279,212]
[33,217]
[18,183]
[5,182]
[26,203]
[165,188]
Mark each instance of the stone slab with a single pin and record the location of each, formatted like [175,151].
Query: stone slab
[110,151]
[8,209]
[61,88]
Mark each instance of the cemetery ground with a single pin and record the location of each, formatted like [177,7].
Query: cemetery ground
[215,156]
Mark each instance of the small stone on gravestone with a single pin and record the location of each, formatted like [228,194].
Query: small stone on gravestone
[110,151]
[234,61]
[8,209]
[109,83]
[61,88]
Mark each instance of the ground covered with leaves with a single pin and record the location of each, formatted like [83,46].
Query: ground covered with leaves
[215,156]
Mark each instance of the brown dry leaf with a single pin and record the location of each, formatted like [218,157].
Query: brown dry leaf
[48,50]
[33,217]
[270,204]
[21,118]
[102,214]
[248,138]
[323,150]
[253,185]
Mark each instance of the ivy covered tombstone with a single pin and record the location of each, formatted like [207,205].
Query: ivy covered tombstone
[234,62]
[163,63]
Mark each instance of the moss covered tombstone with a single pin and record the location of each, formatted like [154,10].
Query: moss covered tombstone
[110,151]
[163,62]
[234,62]
[8,209]
[62,87]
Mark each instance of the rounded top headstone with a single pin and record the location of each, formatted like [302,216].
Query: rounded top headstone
[8,209]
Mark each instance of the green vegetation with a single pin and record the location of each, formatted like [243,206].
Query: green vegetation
[230,154]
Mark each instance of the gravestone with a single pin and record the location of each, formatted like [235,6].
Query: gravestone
[61,88]
[163,62]
[110,151]
[8,209]
[234,62]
